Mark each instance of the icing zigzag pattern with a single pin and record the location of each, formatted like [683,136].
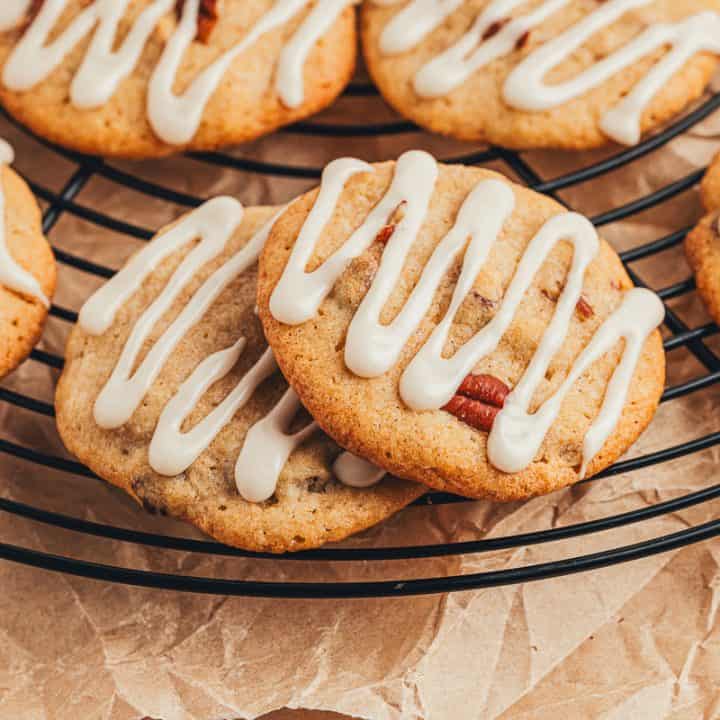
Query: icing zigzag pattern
[430,380]
[494,35]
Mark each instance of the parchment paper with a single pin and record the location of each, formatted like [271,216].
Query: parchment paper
[633,641]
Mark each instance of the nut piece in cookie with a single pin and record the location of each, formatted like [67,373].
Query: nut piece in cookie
[170,392]
[151,77]
[571,74]
[27,268]
[495,345]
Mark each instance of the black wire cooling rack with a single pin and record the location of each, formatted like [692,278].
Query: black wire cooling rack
[679,335]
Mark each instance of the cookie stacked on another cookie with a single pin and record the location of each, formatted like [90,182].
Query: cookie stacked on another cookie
[568,74]
[27,267]
[143,78]
[459,330]
[170,392]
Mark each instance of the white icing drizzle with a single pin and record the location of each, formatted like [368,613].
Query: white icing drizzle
[7,154]
[525,87]
[356,472]
[267,448]
[214,224]
[172,451]
[517,435]
[174,118]
[13,276]
[294,56]
[12,12]
[414,23]
[430,380]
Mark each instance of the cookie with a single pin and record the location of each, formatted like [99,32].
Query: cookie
[702,245]
[570,74]
[414,307]
[710,186]
[170,392]
[145,78]
[27,268]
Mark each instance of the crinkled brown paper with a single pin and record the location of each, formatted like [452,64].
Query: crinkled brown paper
[636,641]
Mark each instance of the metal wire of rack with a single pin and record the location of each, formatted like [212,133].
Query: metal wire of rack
[679,335]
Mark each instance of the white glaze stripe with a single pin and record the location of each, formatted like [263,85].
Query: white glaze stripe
[214,224]
[175,119]
[372,348]
[267,448]
[453,67]
[517,435]
[13,276]
[12,12]
[103,68]
[430,379]
[525,87]
[356,472]
[291,66]
[172,451]
[215,221]
[298,295]
[313,287]
[414,23]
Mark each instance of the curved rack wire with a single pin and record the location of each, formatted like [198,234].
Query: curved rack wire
[679,335]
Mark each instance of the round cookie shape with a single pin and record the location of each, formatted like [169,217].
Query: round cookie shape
[27,268]
[572,74]
[408,302]
[146,78]
[170,392]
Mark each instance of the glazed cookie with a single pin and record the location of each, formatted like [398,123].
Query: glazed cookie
[702,245]
[144,78]
[459,330]
[27,268]
[568,74]
[170,392]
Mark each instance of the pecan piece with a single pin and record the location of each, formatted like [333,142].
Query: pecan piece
[522,41]
[478,401]
[485,388]
[473,412]
[494,28]
[208,15]
[584,308]
[387,232]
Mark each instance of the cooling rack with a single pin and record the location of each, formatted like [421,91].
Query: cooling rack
[679,334]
